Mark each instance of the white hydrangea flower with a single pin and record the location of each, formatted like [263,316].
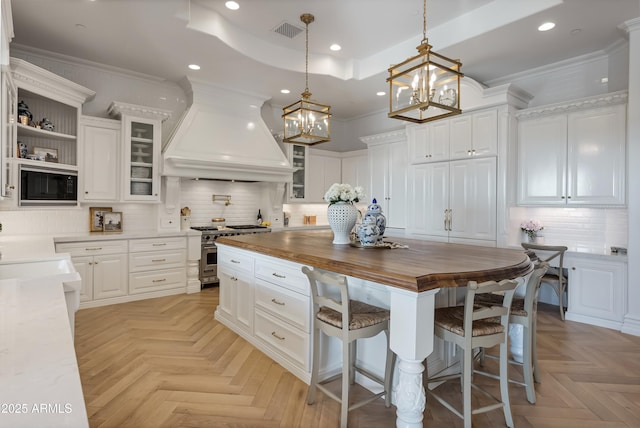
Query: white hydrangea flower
[343,192]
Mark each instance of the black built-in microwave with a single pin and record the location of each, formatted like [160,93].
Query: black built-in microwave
[47,187]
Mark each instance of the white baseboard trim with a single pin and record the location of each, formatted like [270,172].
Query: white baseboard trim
[130,298]
[631,325]
[614,325]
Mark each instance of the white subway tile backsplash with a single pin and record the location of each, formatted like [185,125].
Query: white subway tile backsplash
[589,229]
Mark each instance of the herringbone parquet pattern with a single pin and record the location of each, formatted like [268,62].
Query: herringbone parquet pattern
[167,363]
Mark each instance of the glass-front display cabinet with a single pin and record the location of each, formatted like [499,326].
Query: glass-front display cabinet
[299,159]
[142,132]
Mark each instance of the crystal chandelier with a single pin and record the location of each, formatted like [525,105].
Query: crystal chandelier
[305,121]
[425,87]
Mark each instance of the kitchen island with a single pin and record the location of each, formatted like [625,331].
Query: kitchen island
[410,277]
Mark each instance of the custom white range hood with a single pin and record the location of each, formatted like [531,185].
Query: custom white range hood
[222,136]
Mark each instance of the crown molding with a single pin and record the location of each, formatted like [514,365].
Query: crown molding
[580,104]
[385,137]
[119,109]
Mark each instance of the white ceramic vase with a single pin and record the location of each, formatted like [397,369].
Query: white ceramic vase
[342,218]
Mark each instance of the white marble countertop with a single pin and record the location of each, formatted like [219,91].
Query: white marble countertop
[104,236]
[39,379]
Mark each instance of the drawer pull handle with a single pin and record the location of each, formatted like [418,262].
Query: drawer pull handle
[233,278]
[274,334]
[277,302]
[93,248]
[160,280]
[234,261]
[161,244]
[277,275]
[159,260]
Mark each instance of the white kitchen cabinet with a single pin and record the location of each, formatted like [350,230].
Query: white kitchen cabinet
[8,120]
[298,155]
[355,169]
[428,142]
[324,170]
[454,201]
[141,138]
[102,267]
[388,169]
[596,290]
[58,100]
[572,157]
[236,273]
[460,137]
[474,135]
[100,155]
[157,264]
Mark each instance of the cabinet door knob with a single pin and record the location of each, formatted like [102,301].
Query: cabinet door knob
[12,187]
[86,192]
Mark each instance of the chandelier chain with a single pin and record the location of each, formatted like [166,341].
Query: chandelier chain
[424,21]
[306,59]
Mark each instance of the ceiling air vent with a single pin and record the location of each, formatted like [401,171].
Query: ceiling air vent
[288,30]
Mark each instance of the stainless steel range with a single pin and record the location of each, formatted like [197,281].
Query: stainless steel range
[209,254]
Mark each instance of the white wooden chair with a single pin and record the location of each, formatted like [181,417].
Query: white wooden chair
[555,276]
[523,312]
[470,327]
[348,320]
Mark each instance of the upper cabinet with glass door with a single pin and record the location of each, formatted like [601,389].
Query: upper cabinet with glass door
[142,132]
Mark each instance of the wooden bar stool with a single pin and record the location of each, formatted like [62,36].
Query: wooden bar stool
[348,320]
[523,312]
[555,276]
[473,326]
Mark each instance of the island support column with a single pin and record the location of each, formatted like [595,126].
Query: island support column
[411,334]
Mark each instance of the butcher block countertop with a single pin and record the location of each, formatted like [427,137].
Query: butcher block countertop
[424,265]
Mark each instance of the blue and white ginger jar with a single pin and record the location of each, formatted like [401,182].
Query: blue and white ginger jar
[375,211]
[368,231]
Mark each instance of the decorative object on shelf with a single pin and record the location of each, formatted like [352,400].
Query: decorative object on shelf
[96,218]
[23,112]
[46,124]
[375,211]
[425,87]
[22,150]
[112,222]
[306,121]
[368,231]
[531,228]
[49,155]
[185,218]
[342,214]
[139,132]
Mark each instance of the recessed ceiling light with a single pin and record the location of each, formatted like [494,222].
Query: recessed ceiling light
[604,80]
[194,66]
[284,91]
[381,93]
[335,47]
[232,5]
[546,26]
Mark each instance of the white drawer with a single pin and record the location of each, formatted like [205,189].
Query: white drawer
[167,279]
[286,340]
[157,260]
[92,248]
[284,275]
[235,260]
[293,308]
[156,244]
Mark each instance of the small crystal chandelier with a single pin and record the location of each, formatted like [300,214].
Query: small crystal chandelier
[425,87]
[305,121]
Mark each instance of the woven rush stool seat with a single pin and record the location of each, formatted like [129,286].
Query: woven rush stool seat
[348,320]
[470,327]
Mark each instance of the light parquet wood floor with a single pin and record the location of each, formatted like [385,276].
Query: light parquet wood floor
[167,363]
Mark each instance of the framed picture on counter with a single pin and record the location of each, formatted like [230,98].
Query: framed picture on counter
[49,155]
[112,222]
[96,218]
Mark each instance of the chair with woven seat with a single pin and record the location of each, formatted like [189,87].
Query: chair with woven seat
[348,320]
[555,276]
[470,327]
[523,312]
